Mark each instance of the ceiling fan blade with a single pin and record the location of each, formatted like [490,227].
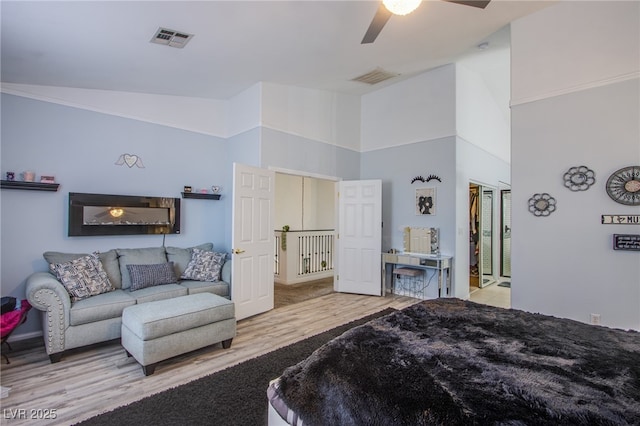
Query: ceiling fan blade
[379,20]
[475,3]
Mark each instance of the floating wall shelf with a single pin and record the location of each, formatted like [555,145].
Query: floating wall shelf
[200,196]
[31,186]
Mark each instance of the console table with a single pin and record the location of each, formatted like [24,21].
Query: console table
[440,264]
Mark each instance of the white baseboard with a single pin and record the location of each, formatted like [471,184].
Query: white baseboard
[24,336]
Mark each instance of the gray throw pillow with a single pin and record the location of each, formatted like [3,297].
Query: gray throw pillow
[204,266]
[109,261]
[182,256]
[143,276]
[82,277]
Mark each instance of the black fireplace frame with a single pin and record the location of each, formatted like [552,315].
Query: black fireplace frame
[78,200]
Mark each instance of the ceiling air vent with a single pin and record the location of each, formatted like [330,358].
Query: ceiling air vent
[375,76]
[171,38]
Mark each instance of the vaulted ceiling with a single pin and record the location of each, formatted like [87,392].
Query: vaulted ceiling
[314,44]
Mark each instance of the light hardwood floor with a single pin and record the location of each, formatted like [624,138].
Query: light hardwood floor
[90,381]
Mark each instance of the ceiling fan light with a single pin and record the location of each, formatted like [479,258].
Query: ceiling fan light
[401,7]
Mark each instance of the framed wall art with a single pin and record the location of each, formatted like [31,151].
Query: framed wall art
[425,202]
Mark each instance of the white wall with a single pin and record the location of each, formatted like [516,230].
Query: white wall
[597,46]
[318,204]
[567,59]
[207,116]
[245,111]
[482,118]
[418,109]
[318,115]
[304,203]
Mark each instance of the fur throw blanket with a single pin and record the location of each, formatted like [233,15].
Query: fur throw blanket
[452,362]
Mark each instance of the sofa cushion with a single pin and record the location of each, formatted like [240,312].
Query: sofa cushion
[138,256]
[82,277]
[101,307]
[182,256]
[204,266]
[160,292]
[219,288]
[109,261]
[111,266]
[143,276]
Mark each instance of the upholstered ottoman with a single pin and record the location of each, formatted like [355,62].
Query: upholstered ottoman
[156,331]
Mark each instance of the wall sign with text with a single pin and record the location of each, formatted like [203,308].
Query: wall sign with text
[621,219]
[626,242]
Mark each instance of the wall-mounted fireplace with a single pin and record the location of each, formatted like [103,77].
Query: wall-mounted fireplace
[100,214]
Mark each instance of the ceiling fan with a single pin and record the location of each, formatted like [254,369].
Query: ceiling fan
[385,12]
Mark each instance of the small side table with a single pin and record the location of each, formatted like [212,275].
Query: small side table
[9,321]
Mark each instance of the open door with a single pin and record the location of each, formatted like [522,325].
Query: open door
[359,232]
[486,237]
[505,247]
[252,240]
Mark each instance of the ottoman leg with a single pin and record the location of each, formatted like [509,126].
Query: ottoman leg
[149,369]
[226,344]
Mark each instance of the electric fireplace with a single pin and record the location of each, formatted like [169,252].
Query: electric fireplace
[101,214]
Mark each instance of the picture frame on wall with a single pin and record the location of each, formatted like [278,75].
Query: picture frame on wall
[425,201]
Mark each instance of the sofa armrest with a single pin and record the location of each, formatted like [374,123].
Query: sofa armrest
[45,293]
[225,273]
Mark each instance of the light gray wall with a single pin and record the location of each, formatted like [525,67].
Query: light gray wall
[242,148]
[292,152]
[564,264]
[396,167]
[582,110]
[80,148]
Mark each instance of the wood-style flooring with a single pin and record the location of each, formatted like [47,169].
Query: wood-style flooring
[288,294]
[93,380]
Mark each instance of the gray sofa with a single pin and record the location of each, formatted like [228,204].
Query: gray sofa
[69,324]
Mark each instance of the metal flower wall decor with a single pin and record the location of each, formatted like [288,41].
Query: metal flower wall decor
[542,204]
[579,178]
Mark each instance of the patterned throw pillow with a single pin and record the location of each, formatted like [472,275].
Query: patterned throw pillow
[204,266]
[82,277]
[143,276]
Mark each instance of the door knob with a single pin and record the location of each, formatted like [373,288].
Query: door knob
[237,251]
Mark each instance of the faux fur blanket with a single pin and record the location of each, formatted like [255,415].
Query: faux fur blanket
[451,362]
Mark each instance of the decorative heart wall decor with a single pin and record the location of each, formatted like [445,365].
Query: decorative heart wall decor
[130,160]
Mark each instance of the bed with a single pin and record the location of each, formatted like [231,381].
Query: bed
[454,362]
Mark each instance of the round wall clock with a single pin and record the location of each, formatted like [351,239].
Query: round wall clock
[623,186]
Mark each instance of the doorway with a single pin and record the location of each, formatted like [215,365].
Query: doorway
[305,207]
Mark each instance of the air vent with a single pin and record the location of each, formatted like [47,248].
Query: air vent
[376,76]
[171,38]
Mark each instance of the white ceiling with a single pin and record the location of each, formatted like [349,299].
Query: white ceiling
[314,44]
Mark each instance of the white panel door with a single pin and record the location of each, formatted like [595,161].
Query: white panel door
[252,240]
[359,237]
